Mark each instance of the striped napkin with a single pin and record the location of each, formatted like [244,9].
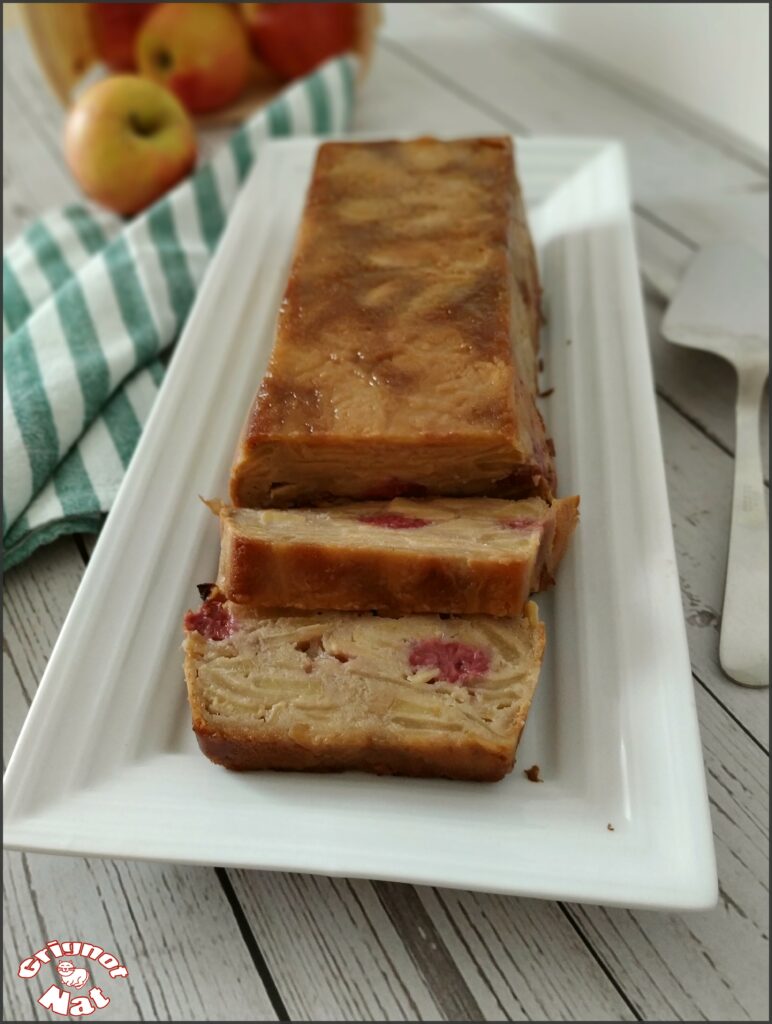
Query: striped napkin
[91,306]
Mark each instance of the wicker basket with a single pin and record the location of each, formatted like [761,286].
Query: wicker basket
[62,40]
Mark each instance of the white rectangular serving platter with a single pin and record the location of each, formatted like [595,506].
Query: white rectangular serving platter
[107,764]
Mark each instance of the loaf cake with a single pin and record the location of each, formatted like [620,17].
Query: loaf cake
[417,695]
[464,555]
[405,356]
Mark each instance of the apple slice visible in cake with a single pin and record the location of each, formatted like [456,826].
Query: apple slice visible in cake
[406,348]
[417,695]
[464,555]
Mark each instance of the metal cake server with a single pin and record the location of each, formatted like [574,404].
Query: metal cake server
[722,306]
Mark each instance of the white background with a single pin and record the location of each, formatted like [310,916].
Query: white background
[712,58]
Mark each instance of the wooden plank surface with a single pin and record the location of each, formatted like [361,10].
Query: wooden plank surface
[353,950]
[504,947]
[33,179]
[36,599]
[699,476]
[333,951]
[261,946]
[171,926]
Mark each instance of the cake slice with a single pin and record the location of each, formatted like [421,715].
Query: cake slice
[418,695]
[405,355]
[464,555]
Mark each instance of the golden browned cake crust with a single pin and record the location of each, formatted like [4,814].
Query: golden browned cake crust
[417,695]
[462,555]
[405,353]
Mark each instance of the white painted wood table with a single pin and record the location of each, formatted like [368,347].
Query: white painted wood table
[207,944]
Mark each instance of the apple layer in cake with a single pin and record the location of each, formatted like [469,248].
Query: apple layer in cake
[416,695]
[405,354]
[463,555]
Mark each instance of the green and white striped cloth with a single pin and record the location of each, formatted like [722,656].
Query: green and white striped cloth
[91,305]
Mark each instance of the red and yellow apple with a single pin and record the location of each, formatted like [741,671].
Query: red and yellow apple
[292,39]
[199,51]
[128,140]
[114,28]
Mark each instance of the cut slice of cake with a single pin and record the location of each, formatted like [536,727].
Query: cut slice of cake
[463,555]
[418,695]
[404,362]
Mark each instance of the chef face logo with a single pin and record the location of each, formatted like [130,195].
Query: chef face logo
[77,991]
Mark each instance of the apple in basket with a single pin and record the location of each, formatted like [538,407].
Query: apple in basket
[128,140]
[114,28]
[199,51]
[292,39]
